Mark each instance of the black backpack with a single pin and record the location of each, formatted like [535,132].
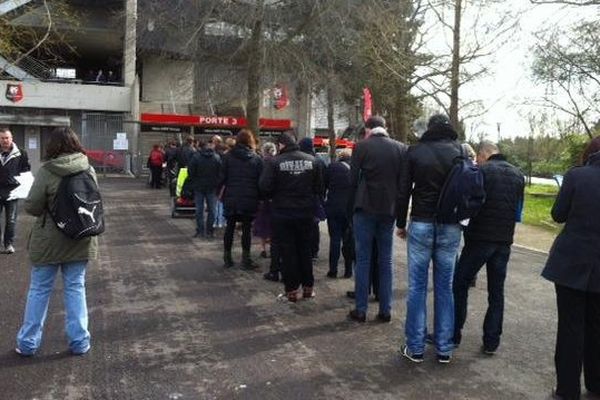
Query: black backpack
[77,210]
[463,193]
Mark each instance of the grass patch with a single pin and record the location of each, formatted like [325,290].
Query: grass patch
[537,208]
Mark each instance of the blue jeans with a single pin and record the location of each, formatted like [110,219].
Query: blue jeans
[337,225]
[219,217]
[10,216]
[40,288]
[210,196]
[427,242]
[369,227]
[472,258]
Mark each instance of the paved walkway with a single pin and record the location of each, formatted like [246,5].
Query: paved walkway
[168,322]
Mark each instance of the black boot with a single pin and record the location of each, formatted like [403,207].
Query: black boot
[247,262]
[228,260]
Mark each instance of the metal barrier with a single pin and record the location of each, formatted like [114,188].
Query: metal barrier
[98,130]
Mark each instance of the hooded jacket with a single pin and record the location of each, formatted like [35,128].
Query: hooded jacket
[48,245]
[429,162]
[11,165]
[240,173]
[574,259]
[204,170]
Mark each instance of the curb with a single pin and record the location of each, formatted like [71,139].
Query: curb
[532,249]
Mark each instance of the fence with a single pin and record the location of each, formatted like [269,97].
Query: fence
[98,130]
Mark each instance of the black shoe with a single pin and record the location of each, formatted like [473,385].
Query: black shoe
[228,260]
[385,318]
[357,316]
[198,235]
[271,276]
[473,283]
[263,254]
[350,294]
[247,263]
[416,358]
[444,359]
[332,274]
[488,351]
[348,274]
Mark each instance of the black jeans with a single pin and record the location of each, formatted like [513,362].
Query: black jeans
[246,221]
[338,226]
[10,217]
[156,176]
[315,239]
[474,255]
[293,236]
[577,341]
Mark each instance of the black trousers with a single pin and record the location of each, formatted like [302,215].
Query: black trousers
[577,341]
[156,176]
[246,231]
[293,237]
[315,239]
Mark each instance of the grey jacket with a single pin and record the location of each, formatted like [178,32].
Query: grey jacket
[48,245]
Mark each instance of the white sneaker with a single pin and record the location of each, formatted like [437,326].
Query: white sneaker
[9,249]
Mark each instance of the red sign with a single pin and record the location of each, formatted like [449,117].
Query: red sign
[368,100]
[213,121]
[14,92]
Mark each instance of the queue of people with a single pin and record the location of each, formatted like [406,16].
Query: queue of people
[382,189]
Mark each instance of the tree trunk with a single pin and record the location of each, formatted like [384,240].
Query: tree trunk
[331,122]
[255,70]
[455,69]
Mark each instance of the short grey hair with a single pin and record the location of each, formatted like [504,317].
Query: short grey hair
[268,149]
[487,147]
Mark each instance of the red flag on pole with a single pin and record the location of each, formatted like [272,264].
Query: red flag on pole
[368,104]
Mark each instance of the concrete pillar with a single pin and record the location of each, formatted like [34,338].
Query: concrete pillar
[130,42]
[130,79]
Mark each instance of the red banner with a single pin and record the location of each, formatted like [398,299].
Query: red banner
[368,104]
[213,121]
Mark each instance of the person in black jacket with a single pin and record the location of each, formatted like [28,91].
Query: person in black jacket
[241,170]
[204,172]
[430,161]
[292,180]
[186,152]
[488,239]
[378,177]
[171,159]
[338,186]
[13,162]
[574,267]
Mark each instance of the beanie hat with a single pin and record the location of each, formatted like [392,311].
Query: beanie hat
[438,120]
[307,146]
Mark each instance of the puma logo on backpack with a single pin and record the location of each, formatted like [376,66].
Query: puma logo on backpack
[77,210]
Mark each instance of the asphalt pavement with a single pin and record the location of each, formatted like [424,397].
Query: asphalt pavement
[169,322]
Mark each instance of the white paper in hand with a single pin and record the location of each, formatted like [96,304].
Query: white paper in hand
[22,191]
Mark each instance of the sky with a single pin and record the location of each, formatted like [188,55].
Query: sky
[507,92]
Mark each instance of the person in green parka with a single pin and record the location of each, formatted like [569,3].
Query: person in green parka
[50,250]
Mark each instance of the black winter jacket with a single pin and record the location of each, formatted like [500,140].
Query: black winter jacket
[184,155]
[292,179]
[204,170]
[379,175]
[429,162]
[12,163]
[574,259]
[339,187]
[504,185]
[239,175]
